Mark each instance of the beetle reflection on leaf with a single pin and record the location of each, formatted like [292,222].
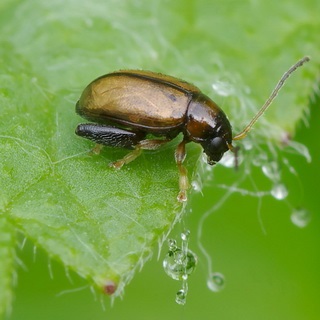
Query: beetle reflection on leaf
[125,106]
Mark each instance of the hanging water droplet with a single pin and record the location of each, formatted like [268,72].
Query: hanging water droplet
[301,217]
[271,170]
[179,263]
[216,282]
[279,191]
[176,263]
[180,258]
[172,244]
[181,297]
[185,235]
[184,277]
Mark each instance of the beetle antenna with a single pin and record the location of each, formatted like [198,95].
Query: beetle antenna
[274,93]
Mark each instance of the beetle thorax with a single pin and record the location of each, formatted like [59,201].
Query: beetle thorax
[206,120]
[208,125]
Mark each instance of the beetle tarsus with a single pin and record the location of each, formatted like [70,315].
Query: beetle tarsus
[97,148]
[182,196]
[116,164]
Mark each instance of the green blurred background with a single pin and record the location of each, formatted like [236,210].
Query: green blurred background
[269,275]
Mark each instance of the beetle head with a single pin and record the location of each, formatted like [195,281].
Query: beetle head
[214,149]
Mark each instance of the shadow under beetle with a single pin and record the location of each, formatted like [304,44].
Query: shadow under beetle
[128,105]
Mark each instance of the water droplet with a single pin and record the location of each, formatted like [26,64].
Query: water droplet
[196,186]
[216,282]
[185,235]
[228,160]
[184,277]
[172,244]
[301,217]
[223,88]
[181,297]
[279,191]
[176,264]
[271,170]
[180,257]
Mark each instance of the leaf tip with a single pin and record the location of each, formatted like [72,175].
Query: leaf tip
[109,287]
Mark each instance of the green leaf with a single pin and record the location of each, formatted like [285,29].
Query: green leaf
[7,258]
[101,223]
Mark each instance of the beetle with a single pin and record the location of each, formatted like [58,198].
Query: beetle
[128,106]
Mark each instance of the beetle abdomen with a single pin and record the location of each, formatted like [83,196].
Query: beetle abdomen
[137,98]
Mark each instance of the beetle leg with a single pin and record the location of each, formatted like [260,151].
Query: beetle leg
[180,155]
[142,145]
[109,136]
[97,148]
[152,144]
[126,159]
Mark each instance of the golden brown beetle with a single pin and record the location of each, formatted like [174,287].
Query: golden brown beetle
[127,105]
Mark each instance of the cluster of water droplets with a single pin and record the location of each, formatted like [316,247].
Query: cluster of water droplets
[272,171]
[299,216]
[179,263]
[250,155]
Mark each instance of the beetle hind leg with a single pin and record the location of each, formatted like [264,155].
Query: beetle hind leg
[105,135]
[126,159]
[141,145]
[109,136]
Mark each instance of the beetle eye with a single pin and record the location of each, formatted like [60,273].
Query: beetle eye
[218,144]
[215,148]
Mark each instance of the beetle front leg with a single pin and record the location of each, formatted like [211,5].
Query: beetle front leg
[180,155]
